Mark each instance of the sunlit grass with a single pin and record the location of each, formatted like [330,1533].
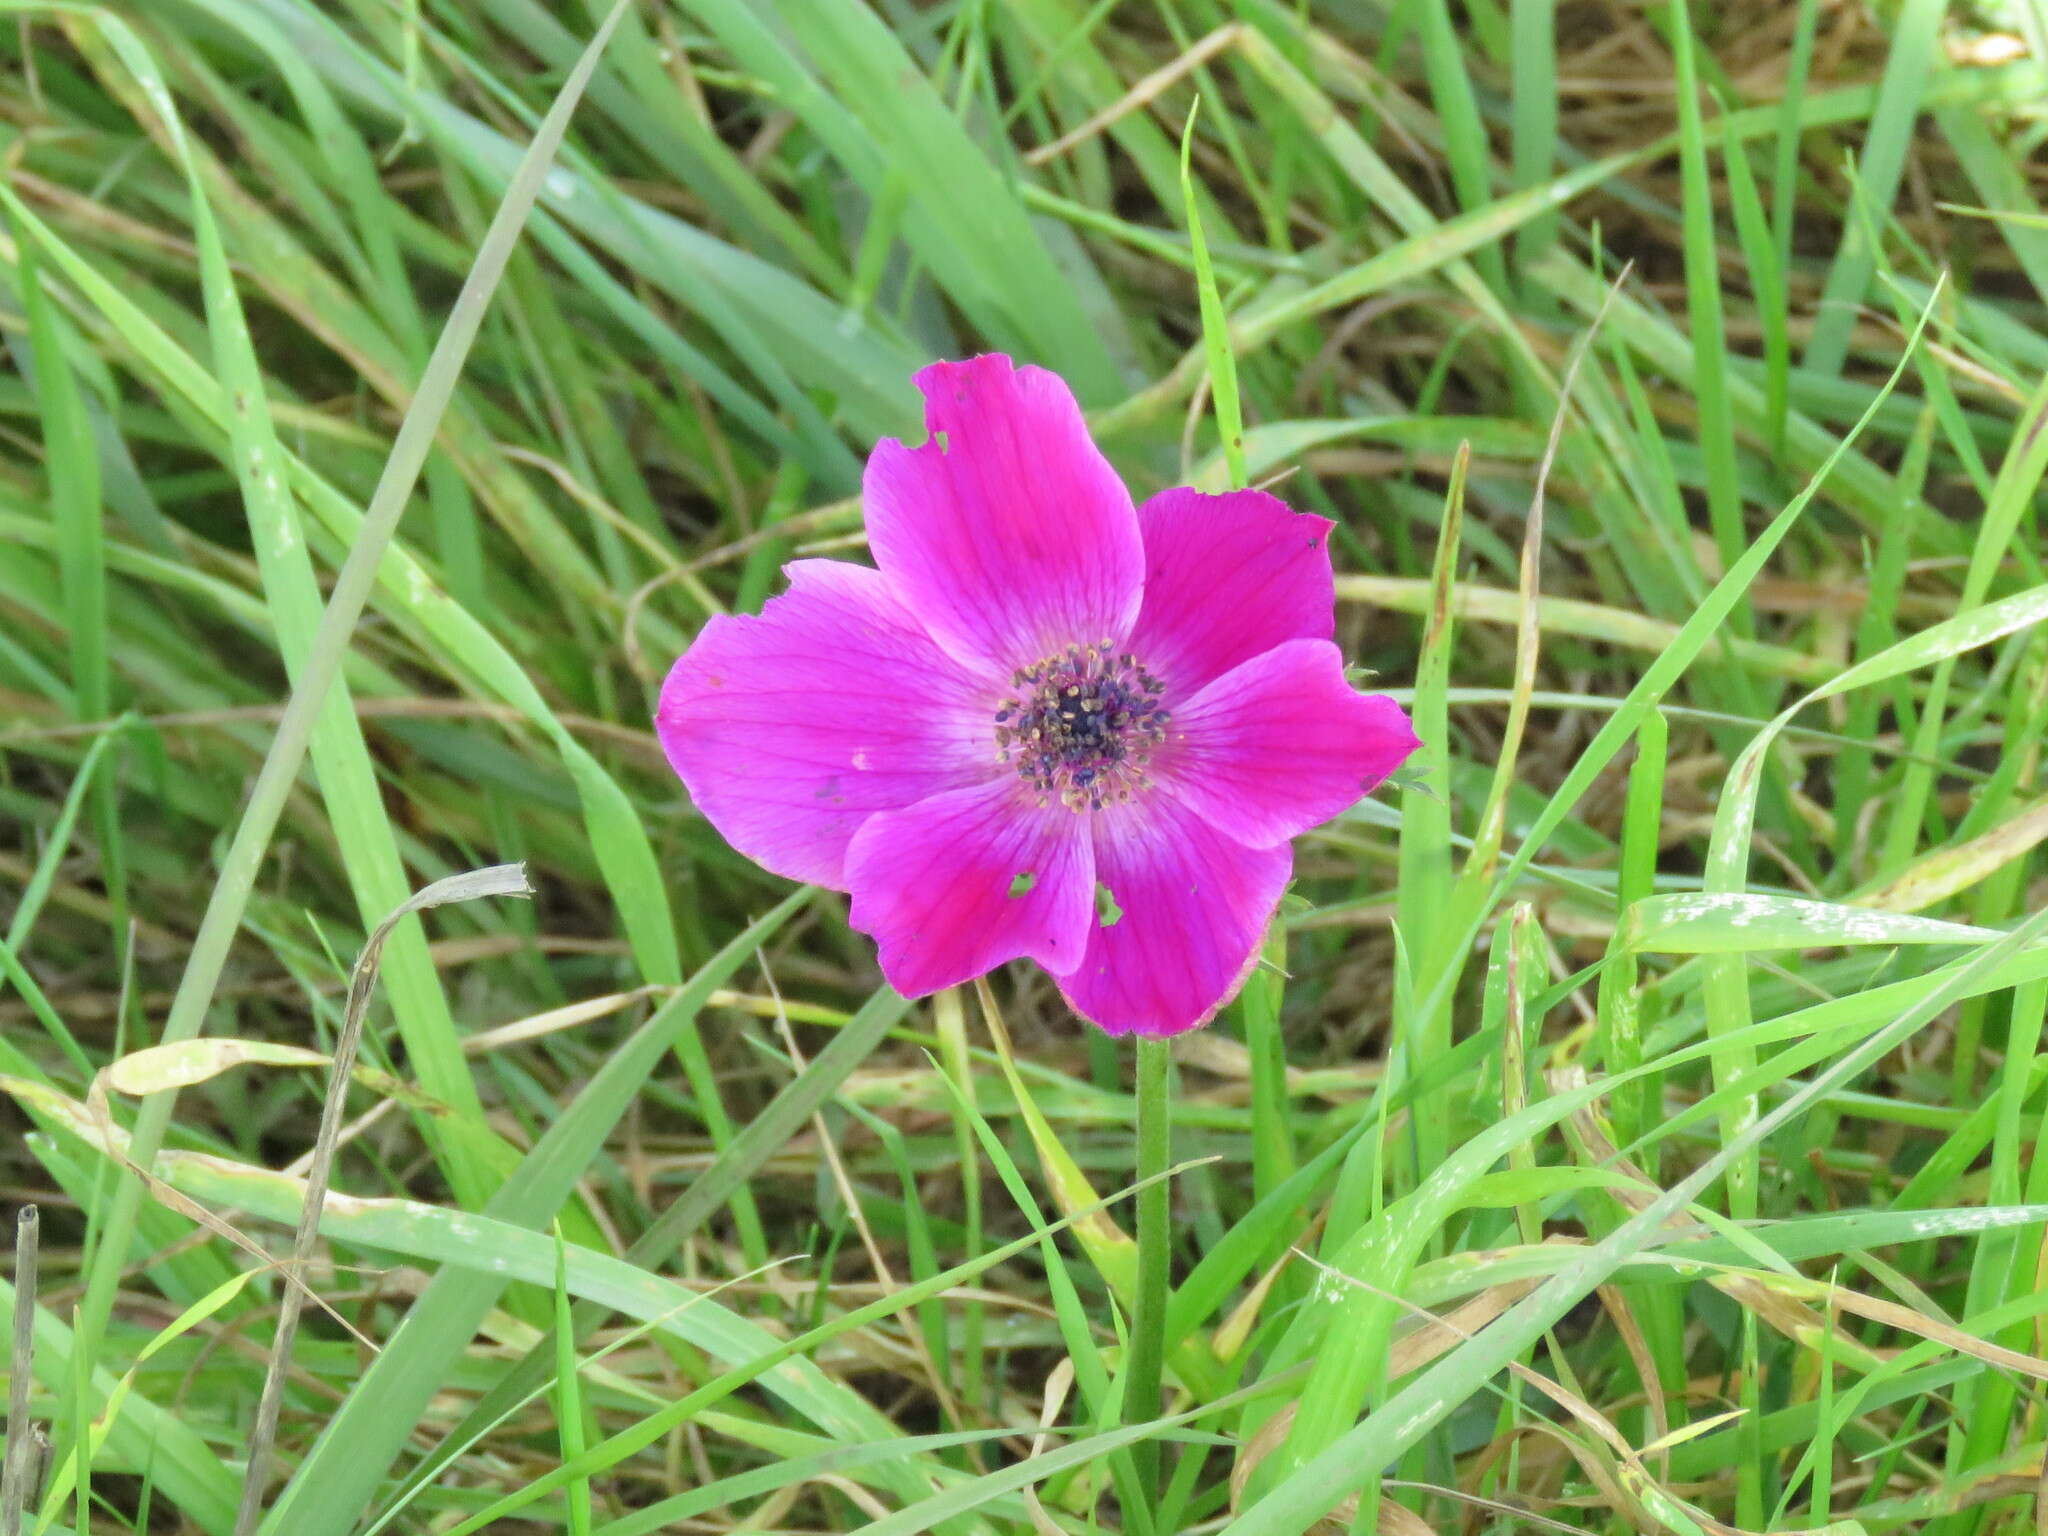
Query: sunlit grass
[1671,1032]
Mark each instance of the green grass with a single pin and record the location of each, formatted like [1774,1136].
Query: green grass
[398,387]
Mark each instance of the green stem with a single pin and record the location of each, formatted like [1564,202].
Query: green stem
[1155,1234]
[951,1021]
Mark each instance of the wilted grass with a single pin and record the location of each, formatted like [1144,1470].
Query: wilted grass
[1636,1127]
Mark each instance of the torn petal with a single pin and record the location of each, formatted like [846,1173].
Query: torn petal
[1228,578]
[1007,532]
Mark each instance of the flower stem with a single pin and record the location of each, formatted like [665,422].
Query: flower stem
[1148,1322]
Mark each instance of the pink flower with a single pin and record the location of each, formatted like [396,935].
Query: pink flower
[1040,691]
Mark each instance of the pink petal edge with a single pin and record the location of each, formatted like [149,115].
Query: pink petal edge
[1227,578]
[792,728]
[1007,531]
[1195,904]
[933,885]
[1283,743]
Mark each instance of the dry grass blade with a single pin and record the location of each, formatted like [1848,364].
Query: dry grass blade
[1144,92]
[1949,871]
[1529,626]
[935,1380]
[474,885]
[1571,616]
[93,1123]
[1534,1522]
[1616,1302]
[15,1472]
[1057,1385]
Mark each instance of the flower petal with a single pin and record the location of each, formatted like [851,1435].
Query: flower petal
[1007,531]
[1228,578]
[1195,906]
[792,728]
[934,885]
[1283,743]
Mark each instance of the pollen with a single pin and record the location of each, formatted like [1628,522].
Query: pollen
[1082,726]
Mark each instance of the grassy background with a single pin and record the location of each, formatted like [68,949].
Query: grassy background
[1682,1054]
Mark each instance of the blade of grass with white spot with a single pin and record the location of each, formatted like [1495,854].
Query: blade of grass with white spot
[1293,1505]
[1728,851]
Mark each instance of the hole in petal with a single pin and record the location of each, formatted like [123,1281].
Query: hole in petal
[1107,912]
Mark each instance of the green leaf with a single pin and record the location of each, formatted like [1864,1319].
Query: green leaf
[1729,923]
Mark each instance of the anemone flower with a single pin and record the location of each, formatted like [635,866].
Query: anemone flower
[1047,724]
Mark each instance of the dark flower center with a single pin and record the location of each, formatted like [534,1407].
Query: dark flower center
[1082,726]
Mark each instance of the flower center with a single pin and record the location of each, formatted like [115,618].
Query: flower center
[1082,726]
